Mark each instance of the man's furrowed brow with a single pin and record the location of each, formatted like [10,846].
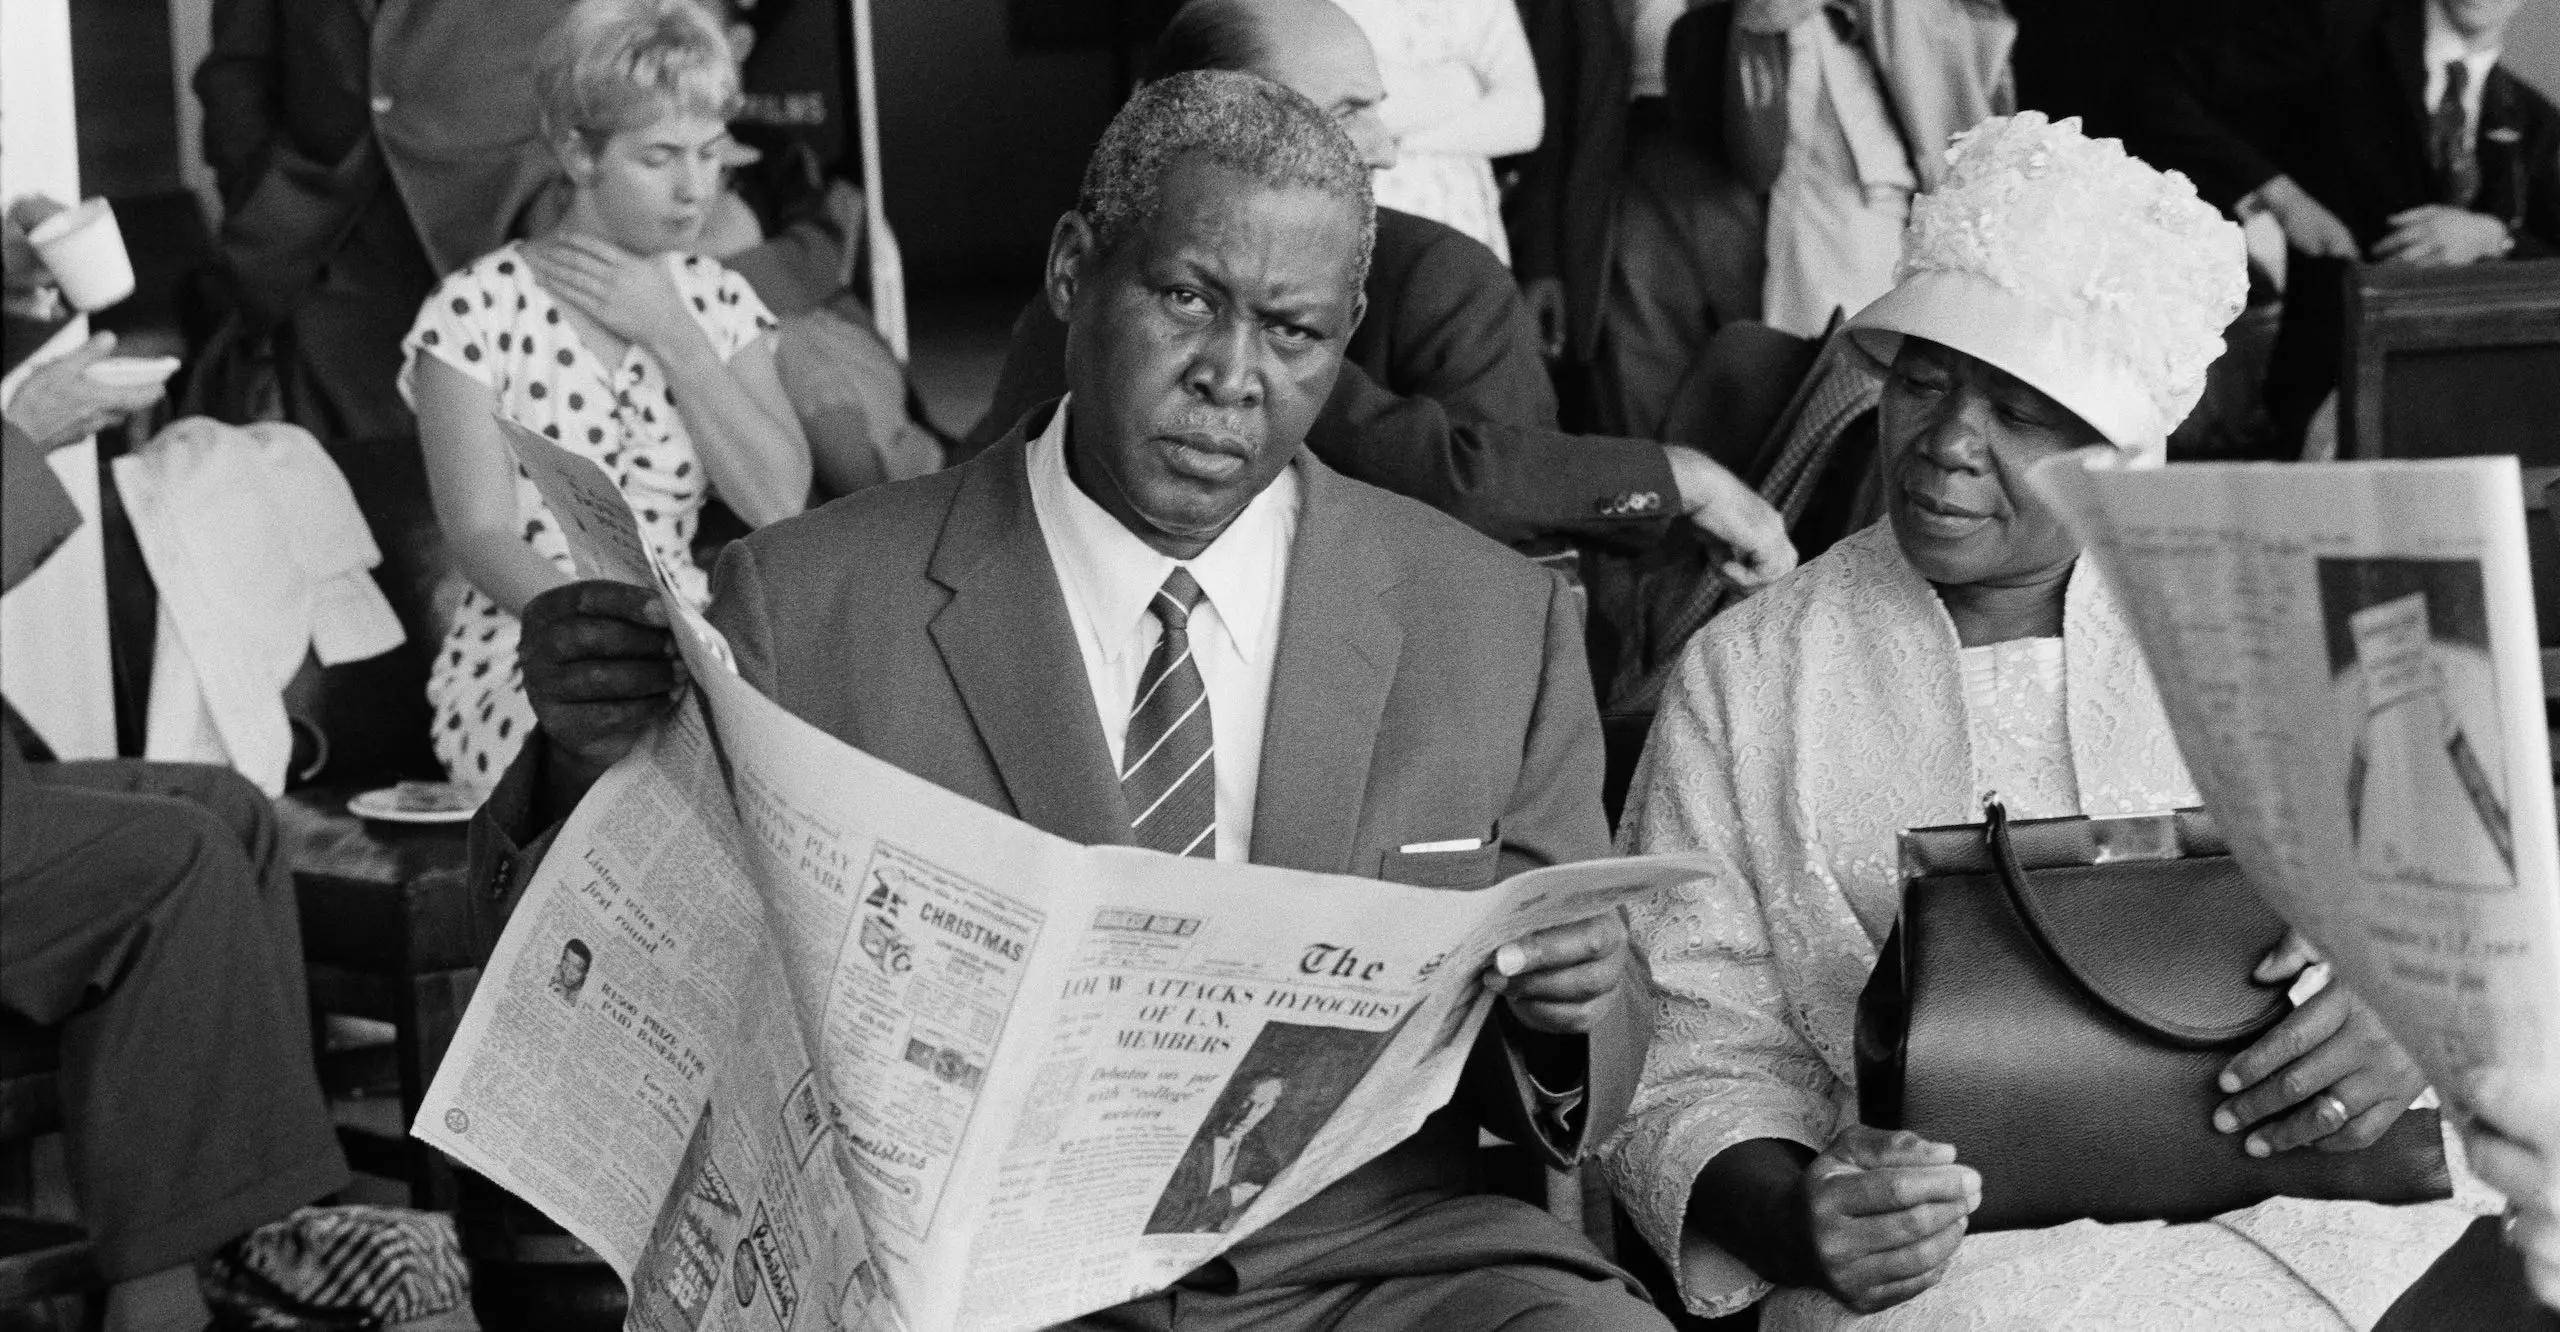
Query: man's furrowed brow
[1311,309]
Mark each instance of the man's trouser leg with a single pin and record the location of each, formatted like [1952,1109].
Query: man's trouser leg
[136,930]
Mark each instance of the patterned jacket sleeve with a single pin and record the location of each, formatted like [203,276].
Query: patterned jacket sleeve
[1726,1065]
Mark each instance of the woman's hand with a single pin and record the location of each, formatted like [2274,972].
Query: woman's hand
[2328,1074]
[631,297]
[1884,1213]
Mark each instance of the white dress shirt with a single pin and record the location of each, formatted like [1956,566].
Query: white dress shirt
[1110,577]
[1844,180]
[2444,46]
[1648,25]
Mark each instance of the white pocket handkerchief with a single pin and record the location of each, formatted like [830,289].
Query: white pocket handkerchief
[1453,844]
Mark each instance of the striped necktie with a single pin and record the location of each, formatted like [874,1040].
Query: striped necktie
[2456,152]
[1167,773]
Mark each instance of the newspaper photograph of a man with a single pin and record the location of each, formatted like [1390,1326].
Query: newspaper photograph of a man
[2418,707]
[569,975]
[1285,1088]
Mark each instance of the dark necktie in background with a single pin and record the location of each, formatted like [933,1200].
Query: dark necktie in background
[2451,143]
[1167,774]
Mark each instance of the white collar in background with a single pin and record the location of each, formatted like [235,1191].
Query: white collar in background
[1114,575]
[2443,47]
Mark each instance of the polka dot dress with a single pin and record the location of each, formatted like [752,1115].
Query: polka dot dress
[494,322]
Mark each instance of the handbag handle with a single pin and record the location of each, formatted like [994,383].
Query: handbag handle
[2013,882]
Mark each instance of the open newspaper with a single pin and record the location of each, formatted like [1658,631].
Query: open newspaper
[795,1039]
[2347,653]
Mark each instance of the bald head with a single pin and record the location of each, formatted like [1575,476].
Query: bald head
[1310,47]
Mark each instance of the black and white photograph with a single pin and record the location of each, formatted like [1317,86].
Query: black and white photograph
[2417,704]
[1287,1085]
[569,975]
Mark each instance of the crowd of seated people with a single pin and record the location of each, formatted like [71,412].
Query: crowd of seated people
[1278,458]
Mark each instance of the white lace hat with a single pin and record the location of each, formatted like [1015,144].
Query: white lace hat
[2097,278]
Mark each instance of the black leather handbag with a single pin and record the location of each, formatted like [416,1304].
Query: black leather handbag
[2057,1001]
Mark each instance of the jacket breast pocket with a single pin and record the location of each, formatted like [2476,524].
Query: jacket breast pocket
[1471,868]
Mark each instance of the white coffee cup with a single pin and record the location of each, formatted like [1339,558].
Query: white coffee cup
[84,250]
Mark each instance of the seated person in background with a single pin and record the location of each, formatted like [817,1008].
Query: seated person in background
[1840,111]
[1443,395]
[1299,670]
[1461,90]
[864,422]
[2055,294]
[2375,130]
[147,918]
[593,335]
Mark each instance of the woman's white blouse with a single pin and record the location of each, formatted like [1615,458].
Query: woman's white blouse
[2017,714]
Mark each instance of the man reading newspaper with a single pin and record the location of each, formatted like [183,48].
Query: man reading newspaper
[1149,617]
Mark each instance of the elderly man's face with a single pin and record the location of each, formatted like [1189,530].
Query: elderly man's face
[1202,348]
[1255,1107]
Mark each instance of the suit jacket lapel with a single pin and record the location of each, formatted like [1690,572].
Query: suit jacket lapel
[1337,657]
[1011,653]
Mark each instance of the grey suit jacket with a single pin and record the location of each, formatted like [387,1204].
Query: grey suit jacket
[1430,685]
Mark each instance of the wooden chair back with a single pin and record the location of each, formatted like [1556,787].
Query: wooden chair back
[2452,362]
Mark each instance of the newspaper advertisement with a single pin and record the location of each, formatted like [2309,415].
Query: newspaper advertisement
[918,1064]
[2348,654]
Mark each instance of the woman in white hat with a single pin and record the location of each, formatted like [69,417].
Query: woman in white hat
[2053,294]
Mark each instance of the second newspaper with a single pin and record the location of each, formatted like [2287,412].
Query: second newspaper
[795,1039]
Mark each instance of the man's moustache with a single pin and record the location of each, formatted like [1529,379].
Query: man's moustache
[1226,428]
[1208,530]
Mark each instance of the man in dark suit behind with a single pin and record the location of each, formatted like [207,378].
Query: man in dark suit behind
[2380,130]
[1444,394]
[361,154]
[363,148]
[1150,616]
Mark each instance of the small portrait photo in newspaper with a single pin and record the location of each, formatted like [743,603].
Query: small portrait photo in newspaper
[1284,1089]
[569,975]
[2417,707]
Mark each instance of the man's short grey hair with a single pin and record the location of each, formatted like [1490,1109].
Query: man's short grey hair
[1242,122]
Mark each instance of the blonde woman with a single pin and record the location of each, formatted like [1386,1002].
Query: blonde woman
[608,337]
